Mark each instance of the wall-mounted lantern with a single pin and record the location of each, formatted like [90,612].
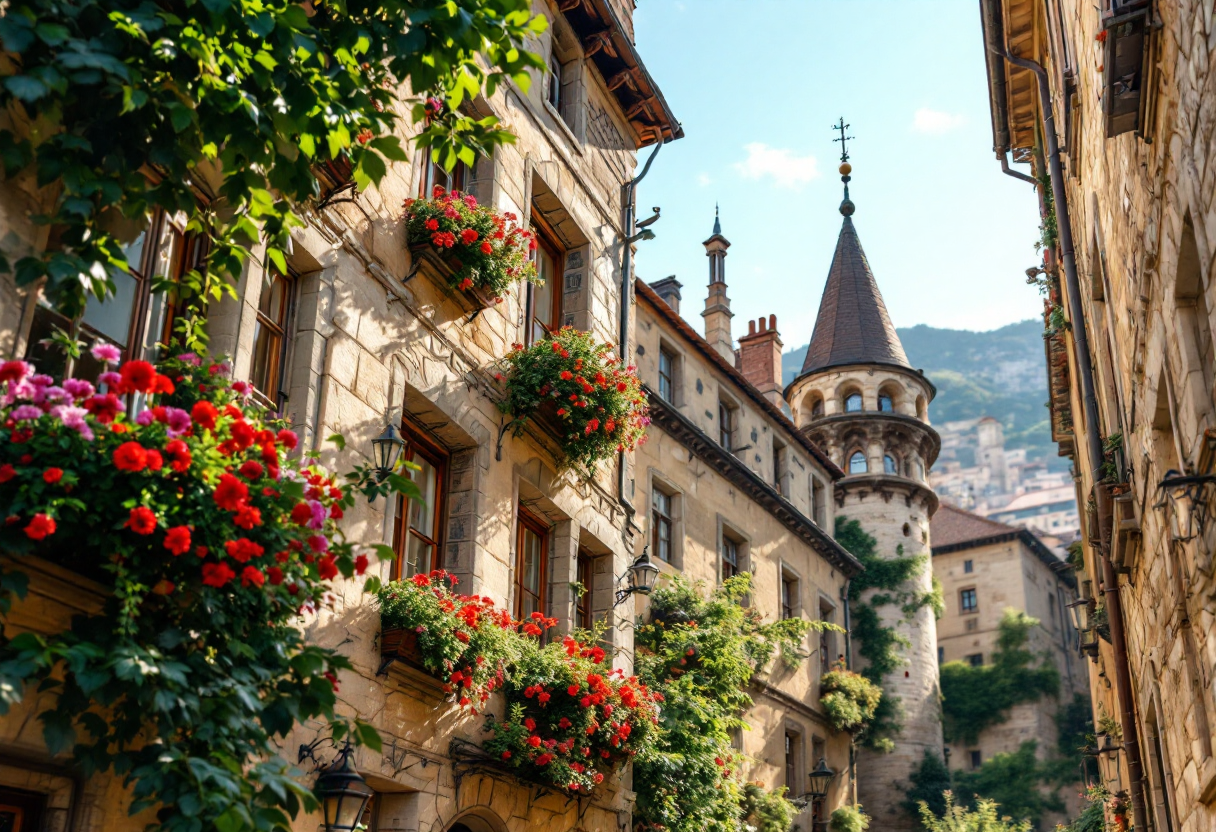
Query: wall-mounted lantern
[386,450]
[342,791]
[642,577]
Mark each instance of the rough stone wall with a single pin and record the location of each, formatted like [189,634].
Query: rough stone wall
[883,778]
[706,505]
[372,344]
[1129,197]
[1007,576]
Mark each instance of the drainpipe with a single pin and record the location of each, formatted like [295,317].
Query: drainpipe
[1114,606]
[1016,174]
[848,663]
[626,294]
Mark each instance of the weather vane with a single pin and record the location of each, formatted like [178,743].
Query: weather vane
[844,148]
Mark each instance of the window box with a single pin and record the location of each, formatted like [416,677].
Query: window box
[442,270]
[401,660]
[399,643]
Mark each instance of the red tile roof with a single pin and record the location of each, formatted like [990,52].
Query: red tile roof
[951,525]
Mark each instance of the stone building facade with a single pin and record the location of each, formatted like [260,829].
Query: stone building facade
[859,399]
[732,486]
[986,568]
[1112,103]
[359,334]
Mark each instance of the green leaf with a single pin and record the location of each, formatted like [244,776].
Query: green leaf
[368,736]
[26,88]
[277,258]
[339,440]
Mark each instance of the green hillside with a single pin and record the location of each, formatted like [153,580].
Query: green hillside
[1000,373]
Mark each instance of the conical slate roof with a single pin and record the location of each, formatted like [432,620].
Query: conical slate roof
[853,326]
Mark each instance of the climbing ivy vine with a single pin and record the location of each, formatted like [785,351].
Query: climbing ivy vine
[881,646]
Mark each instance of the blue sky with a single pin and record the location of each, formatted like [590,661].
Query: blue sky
[757,85]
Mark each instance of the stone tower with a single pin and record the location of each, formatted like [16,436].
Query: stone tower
[860,400]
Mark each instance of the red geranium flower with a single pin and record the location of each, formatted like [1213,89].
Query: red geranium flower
[7,472]
[251,469]
[177,540]
[231,493]
[155,460]
[288,439]
[103,407]
[248,516]
[52,475]
[178,454]
[137,376]
[326,568]
[130,456]
[275,574]
[40,526]
[469,236]
[141,520]
[204,414]
[217,574]
[242,549]
[252,575]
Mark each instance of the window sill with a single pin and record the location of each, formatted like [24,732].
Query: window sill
[563,127]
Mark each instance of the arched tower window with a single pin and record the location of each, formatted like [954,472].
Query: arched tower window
[852,403]
[857,462]
[889,465]
[920,408]
[817,408]
[885,403]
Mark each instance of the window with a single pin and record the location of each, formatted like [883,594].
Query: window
[417,526]
[433,174]
[857,463]
[1190,299]
[22,811]
[976,660]
[967,601]
[555,82]
[975,759]
[531,554]
[661,524]
[852,403]
[889,465]
[789,595]
[780,480]
[736,738]
[827,640]
[968,566]
[819,503]
[793,761]
[730,557]
[667,376]
[885,405]
[134,319]
[545,308]
[270,338]
[941,655]
[726,424]
[817,408]
[586,576]
[973,624]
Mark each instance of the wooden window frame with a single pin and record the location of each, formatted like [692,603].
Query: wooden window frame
[660,521]
[724,563]
[277,398]
[819,502]
[546,238]
[143,272]
[584,610]
[791,601]
[726,424]
[554,69]
[962,601]
[793,758]
[417,443]
[667,379]
[457,180]
[530,522]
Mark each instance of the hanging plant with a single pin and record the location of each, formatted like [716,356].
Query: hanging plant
[211,542]
[571,718]
[579,388]
[484,250]
[850,699]
[464,640]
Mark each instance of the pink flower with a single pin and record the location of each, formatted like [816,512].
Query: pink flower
[319,513]
[178,420]
[190,358]
[242,388]
[106,353]
[318,543]
[26,413]
[73,419]
[109,379]
[77,388]
[145,418]
[14,371]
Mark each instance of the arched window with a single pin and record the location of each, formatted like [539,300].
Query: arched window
[857,462]
[852,403]
[889,465]
[816,408]
[920,408]
[885,404]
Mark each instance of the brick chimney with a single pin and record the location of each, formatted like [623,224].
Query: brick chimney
[760,358]
[669,290]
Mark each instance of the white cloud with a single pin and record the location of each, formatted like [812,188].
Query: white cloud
[787,169]
[703,179]
[936,122]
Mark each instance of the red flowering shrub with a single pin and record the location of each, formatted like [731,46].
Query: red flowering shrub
[571,718]
[492,251]
[186,514]
[598,405]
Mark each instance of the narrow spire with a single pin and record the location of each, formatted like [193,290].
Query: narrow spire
[846,206]
[717,224]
